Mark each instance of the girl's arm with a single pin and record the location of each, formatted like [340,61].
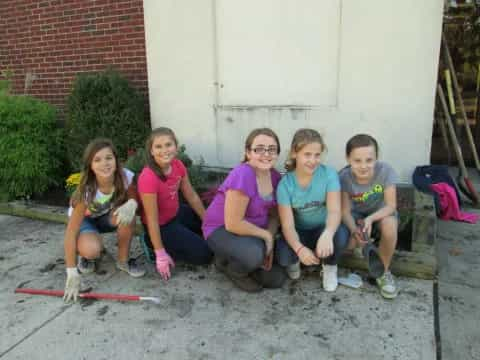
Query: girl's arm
[390,198]
[149,201]
[334,213]
[132,192]
[324,246]
[347,217]
[306,256]
[273,221]
[288,227]
[192,197]
[236,203]
[71,233]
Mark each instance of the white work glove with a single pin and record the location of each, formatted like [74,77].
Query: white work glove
[72,285]
[126,212]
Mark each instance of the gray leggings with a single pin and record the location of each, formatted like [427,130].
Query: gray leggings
[245,254]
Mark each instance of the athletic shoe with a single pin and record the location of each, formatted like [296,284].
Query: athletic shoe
[85,266]
[386,284]
[294,271]
[330,280]
[131,268]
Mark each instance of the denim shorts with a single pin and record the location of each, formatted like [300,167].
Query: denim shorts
[97,225]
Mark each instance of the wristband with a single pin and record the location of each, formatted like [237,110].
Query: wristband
[299,249]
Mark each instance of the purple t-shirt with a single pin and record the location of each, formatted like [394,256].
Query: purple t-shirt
[241,178]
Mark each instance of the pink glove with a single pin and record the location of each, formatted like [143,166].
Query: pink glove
[163,261]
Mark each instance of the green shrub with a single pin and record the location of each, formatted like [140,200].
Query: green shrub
[104,104]
[31,146]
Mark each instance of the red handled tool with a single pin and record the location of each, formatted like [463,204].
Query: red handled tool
[89,295]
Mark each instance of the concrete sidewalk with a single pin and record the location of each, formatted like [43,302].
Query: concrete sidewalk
[202,316]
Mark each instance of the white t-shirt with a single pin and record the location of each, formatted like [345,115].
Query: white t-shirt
[102,203]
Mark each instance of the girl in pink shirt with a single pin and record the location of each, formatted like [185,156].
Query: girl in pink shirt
[171,229]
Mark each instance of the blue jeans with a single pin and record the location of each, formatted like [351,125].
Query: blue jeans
[97,225]
[286,255]
[182,238]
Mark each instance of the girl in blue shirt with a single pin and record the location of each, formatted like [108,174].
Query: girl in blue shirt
[310,212]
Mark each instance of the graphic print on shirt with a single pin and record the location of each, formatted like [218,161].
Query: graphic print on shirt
[374,194]
[101,205]
[173,188]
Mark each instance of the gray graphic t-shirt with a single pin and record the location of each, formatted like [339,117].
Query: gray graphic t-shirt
[368,198]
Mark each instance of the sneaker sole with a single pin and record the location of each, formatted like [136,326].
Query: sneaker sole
[388,296]
[294,276]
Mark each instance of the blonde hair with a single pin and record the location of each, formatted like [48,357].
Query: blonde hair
[152,164]
[87,189]
[256,132]
[301,138]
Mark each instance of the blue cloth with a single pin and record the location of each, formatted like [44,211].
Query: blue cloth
[285,255]
[97,225]
[308,204]
[182,238]
[424,176]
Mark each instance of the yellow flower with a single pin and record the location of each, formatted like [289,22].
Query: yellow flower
[74,179]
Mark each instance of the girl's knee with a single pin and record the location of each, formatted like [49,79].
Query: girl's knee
[389,224]
[252,259]
[89,245]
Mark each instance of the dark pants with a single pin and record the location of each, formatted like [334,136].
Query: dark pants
[286,255]
[245,254]
[182,238]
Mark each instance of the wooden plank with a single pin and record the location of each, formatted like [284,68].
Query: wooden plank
[45,213]
[405,263]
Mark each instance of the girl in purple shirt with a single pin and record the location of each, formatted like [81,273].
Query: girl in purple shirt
[241,222]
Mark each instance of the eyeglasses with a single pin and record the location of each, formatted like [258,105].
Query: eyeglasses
[271,150]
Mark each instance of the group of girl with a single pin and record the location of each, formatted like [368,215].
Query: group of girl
[259,228]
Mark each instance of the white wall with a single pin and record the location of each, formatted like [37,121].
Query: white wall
[380,78]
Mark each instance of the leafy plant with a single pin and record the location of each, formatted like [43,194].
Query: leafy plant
[5,82]
[31,146]
[104,105]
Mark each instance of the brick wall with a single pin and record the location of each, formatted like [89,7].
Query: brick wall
[57,39]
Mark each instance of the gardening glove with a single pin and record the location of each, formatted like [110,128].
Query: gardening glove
[72,285]
[163,262]
[126,212]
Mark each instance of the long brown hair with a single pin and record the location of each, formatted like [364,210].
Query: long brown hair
[152,164]
[301,138]
[256,132]
[88,186]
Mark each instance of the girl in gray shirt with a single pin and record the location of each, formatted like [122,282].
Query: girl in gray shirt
[369,194]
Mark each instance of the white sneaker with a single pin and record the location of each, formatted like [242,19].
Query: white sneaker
[330,280]
[294,271]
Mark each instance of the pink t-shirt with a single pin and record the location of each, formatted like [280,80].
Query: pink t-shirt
[166,191]
[242,178]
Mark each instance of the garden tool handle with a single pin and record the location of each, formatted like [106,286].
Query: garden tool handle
[59,293]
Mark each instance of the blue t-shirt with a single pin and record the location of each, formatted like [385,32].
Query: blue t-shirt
[308,204]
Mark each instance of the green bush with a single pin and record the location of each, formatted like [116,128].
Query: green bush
[31,146]
[104,105]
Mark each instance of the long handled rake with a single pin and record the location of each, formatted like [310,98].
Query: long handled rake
[449,61]
[463,181]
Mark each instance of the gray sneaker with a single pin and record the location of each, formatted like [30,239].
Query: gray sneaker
[386,284]
[293,271]
[131,268]
[85,266]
